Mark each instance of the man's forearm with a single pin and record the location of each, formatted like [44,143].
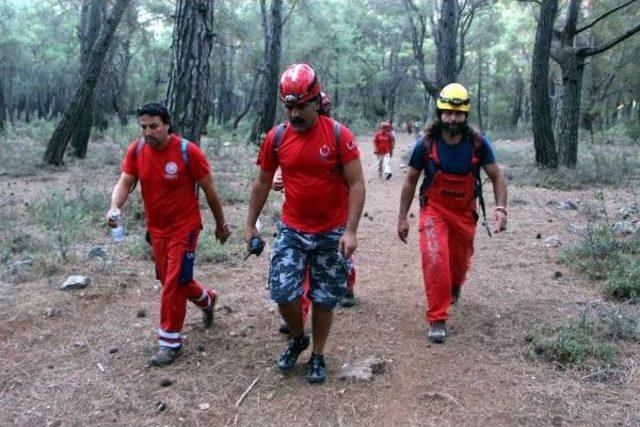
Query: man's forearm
[259,195]
[406,198]
[357,194]
[500,191]
[216,208]
[119,195]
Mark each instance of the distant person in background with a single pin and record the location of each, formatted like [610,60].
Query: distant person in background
[409,127]
[450,154]
[170,169]
[383,145]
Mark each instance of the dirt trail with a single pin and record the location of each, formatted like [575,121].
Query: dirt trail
[62,370]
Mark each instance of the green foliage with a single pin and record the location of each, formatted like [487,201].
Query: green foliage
[62,219]
[591,342]
[600,254]
[623,281]
[210,250]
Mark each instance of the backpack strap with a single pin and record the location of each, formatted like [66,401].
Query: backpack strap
[183,148]
[282,127]
[277,138]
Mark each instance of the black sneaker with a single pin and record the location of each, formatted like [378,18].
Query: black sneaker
[455,294]
[284,328]
[165,356]
[288,359]
[437,332]
[316,370]
[349,300]
[207,313]
[388,176]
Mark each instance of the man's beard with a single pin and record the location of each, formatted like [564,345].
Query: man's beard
[455,128]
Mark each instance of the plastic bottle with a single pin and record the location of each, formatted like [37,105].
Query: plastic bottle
[118,232]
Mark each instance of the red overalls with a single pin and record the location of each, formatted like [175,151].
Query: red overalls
[447,229]
[174,257]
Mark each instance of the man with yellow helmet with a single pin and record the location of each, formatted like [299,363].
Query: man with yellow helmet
[451,154]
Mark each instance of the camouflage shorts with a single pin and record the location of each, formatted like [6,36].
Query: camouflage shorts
[293,251]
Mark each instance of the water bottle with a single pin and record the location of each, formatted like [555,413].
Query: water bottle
[118,232]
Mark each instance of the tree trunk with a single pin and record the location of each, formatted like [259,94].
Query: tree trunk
[90,22]
[3,107]
[543,140]
[189,81]
[569,118]
[269,88]
[516,109]
[67,126]
[249,102]
[446,43]
[479,93]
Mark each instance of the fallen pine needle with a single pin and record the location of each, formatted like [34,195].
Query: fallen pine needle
[246,392]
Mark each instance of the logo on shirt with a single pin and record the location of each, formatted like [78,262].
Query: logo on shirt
[325,151]
[352,145]
[171,169]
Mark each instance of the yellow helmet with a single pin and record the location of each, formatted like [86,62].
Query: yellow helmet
[454,97]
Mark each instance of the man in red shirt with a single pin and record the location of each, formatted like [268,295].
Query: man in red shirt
[325,196]
[383,144]
[170,170]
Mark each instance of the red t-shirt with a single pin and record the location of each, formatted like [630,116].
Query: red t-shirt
[383,142]
[167,184]
[317,194]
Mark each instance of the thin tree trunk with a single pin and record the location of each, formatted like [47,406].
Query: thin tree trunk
[272,25]
[543,139]
[479,94]
[516,109]
[446,43]
[249,102]
[189,81]
[569,118]
[90,22]
[57,145]
[3,107]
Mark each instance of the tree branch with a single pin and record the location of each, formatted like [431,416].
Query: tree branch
[604,15]
[590,51]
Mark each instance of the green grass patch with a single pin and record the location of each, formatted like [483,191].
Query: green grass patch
[590,342]
[601,255]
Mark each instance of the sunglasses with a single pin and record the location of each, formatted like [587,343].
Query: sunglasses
[454,101]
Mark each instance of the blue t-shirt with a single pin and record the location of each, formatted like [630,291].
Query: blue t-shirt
[455,159]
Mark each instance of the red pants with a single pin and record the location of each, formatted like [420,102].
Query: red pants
[446,244]
[305,302]
[178,284]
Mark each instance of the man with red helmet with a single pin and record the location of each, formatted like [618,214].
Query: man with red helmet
[325,197]
[451,154]
[383,144]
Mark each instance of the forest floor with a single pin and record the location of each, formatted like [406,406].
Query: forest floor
[87,364]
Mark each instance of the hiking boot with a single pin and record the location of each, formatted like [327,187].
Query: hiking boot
[164,356]
[284,328]
[288,359]
[437,332]
[349,300]
[388,176]
[455,294]
[207,313]
[316,370]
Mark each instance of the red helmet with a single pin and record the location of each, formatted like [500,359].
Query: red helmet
[299,83]
[325,104]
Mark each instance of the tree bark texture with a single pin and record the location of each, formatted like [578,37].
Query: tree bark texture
[90,22]
[543,139]
[54,153]
[268,95]
[189,79]
[447,43]
[516,109]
